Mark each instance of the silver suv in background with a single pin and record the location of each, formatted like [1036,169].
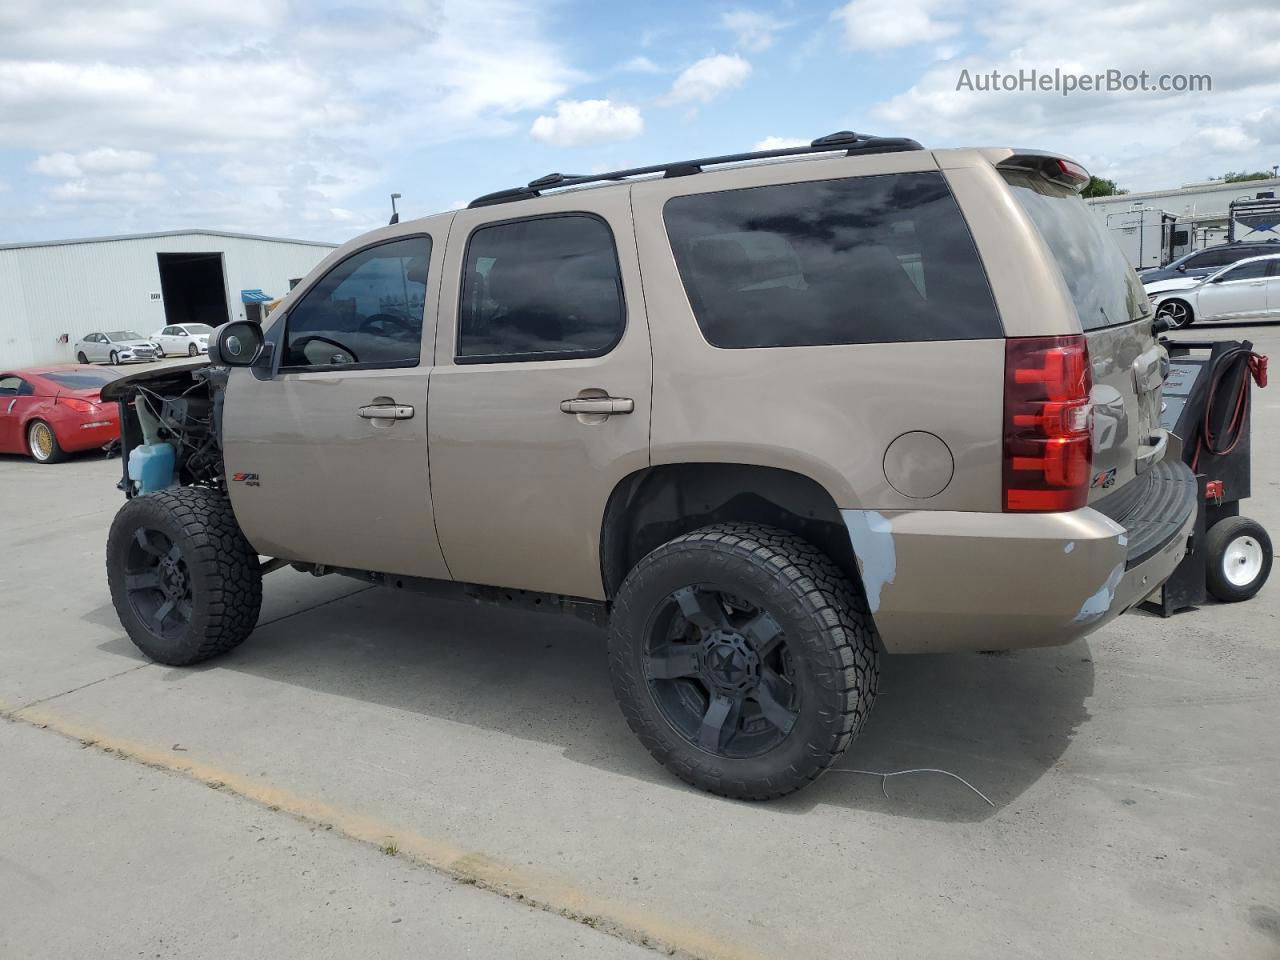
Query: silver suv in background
[768,416]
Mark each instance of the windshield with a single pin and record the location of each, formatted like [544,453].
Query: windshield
[1103,286]
[124,335]
[81,379]
[198,328]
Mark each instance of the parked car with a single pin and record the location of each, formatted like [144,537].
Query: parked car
[116,346]
[49,412]
[766,421]
[191,339]
[1246,290]
[1201,263]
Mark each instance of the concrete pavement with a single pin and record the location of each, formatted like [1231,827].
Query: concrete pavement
[1134,774]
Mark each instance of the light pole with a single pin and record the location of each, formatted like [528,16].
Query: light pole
[395,217]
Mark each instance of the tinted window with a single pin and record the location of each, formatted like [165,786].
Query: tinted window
[1247,271]
[367,310]
[119,335]
[82,379]
[863,260]
[541,289]
[1103,286]
[1214,258]
[9,386]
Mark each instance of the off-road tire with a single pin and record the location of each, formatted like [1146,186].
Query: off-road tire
[225,582]
[830,638]
[1220,538]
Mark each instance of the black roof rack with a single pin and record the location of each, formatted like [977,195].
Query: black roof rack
[851,143]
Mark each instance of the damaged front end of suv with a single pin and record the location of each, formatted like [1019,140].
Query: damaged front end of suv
[170,427]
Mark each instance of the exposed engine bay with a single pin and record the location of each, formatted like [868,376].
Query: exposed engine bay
[177,408]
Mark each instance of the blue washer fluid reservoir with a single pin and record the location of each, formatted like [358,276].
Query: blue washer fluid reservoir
[151,466]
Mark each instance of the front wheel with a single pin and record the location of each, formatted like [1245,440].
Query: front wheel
[192,350]
[1176,313]
[184,581]
[159,352]
[1237,558]
[114,358]
[81,358]
[743,658]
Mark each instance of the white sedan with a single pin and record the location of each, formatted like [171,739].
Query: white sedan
[1245,290]
[191,339]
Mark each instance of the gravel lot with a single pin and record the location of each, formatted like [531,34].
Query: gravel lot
[397,776]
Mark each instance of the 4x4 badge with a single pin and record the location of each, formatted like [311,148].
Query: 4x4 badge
[251,479]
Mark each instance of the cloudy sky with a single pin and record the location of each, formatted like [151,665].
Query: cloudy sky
[298,118]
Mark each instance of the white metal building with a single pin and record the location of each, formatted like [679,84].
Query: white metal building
[52,293]
[1164,224]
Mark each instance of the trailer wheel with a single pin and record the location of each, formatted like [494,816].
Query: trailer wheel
[1238,558]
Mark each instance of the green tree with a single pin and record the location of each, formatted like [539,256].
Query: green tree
[1102,187]
[1234,176]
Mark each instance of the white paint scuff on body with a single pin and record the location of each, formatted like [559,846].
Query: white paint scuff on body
[1098,604]
[872,536]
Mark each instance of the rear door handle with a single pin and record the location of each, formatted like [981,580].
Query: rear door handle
[386,411]
[605,405]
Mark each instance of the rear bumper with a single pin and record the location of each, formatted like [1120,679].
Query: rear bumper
[942,581]
[73,437]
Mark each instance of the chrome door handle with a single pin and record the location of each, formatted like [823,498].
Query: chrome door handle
[605,405]
[386,411]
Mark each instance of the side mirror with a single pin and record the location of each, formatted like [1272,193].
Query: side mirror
[240,343]
[1181,268]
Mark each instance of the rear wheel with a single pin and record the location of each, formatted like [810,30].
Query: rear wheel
[81,358]
[43,443]
[1238,558]
[743,658]
[1177,313]
[184,581]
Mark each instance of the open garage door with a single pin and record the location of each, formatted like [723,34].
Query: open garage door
[194,288]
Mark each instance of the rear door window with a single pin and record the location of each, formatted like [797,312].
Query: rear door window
[546,288]
[1246,271]
[861,260]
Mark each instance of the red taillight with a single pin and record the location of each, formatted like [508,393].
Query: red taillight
[1048,447]
[80,406]
[1074,174]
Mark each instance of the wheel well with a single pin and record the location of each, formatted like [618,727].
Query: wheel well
[657,504]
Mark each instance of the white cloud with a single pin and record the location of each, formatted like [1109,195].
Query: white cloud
[1144,140]
[709,78]
[641,65]
[101,160]
[752,31]
[577,123]
[885,24]
[779,143]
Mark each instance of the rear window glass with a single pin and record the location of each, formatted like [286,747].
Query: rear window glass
[81,380]
[862,260]
[1103,287]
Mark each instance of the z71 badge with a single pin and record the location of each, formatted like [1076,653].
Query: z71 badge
[251,479]
[1105,480]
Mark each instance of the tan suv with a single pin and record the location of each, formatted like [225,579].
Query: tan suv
[767,415]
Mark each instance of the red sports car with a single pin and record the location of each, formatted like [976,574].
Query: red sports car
[48,412]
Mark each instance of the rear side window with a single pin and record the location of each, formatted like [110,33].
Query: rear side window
[1248,271]
[863,260]
[1214,258]
[367,310]
[547,288]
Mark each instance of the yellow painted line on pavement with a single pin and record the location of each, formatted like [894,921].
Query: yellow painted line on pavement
[545,891]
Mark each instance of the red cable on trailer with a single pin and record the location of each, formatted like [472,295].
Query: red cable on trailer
[1228,364]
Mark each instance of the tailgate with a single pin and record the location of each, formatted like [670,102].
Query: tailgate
[1128,367]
